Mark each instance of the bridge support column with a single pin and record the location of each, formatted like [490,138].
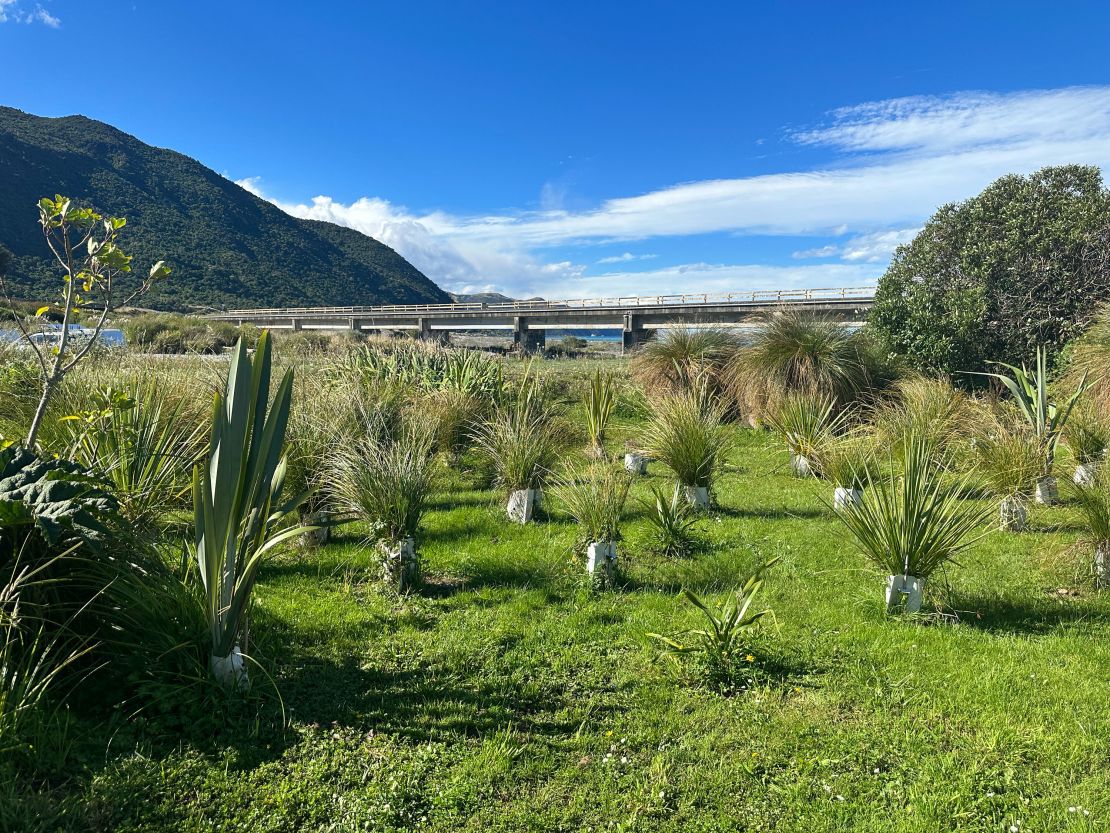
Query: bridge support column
[634,333]
[527,340]
[354,325]
[296,324]
[426,333]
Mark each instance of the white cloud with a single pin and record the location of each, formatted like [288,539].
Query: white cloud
[820,251]
[894,162]
[967,120]
[625,258]
[707,277]
[876,247]
[43,16]
[10,11]
[456,264]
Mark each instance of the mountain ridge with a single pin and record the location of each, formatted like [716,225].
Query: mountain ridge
[227,247]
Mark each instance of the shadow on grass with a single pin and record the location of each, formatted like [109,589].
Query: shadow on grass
[423,703]
[455,500]
[491,574]
[1069,526]
[771,513]
[1026,616]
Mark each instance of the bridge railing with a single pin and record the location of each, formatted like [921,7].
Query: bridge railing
[760,296]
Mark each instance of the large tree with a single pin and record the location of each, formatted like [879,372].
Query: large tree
[1025,262]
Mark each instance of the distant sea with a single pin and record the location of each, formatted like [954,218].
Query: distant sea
[588,335]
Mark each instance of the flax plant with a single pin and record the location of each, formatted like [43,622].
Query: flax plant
[237,501]
[597,406]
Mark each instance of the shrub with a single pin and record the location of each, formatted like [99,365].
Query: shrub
[1044,417]
[1088,357]
[1093,504]
[1009,461]
[806,421]
[31,661]
[520,441]
[1087,436]
[168,333]
[597,405]
[143,444]
[1023,263]
[454,415]
[930,410]
[322,417]
[98,592]
[569,345]
[847,461]
[425,366]
[237,501]
[385,481]
[686,435]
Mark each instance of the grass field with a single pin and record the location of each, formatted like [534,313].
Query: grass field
[504,695]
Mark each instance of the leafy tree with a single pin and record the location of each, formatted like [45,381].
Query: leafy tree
[5,261]
[84,245]
[1024,263]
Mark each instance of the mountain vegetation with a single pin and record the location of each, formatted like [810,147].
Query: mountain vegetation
[227,247]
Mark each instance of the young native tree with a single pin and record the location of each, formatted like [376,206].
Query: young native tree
[95,269]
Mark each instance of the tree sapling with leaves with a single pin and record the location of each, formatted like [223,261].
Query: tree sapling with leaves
[84,244]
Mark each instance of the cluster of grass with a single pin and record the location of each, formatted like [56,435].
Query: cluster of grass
[502,692]
[167,333]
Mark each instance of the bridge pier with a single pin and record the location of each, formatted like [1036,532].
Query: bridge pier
[295,323]
[634,333]
[426,333]
[527,340]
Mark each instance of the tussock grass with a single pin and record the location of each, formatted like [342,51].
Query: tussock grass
[687,436]
[679,359]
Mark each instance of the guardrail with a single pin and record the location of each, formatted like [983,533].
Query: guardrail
[762,296]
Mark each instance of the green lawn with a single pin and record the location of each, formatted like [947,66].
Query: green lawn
[504,695]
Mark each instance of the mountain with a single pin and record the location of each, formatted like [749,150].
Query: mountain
[481,298]
[227,247]
[487,298]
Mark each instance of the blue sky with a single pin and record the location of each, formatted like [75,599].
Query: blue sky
[583,149]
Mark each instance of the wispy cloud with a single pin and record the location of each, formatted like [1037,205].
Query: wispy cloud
[711,277]
[626,257]
[876,247]
[43,16]
[892,164]
[11,11]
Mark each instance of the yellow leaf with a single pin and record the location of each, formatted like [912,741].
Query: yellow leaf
[41,310]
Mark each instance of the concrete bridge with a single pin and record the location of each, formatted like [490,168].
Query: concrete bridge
[637,318]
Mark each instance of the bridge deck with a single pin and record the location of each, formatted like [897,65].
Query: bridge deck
[860,296]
